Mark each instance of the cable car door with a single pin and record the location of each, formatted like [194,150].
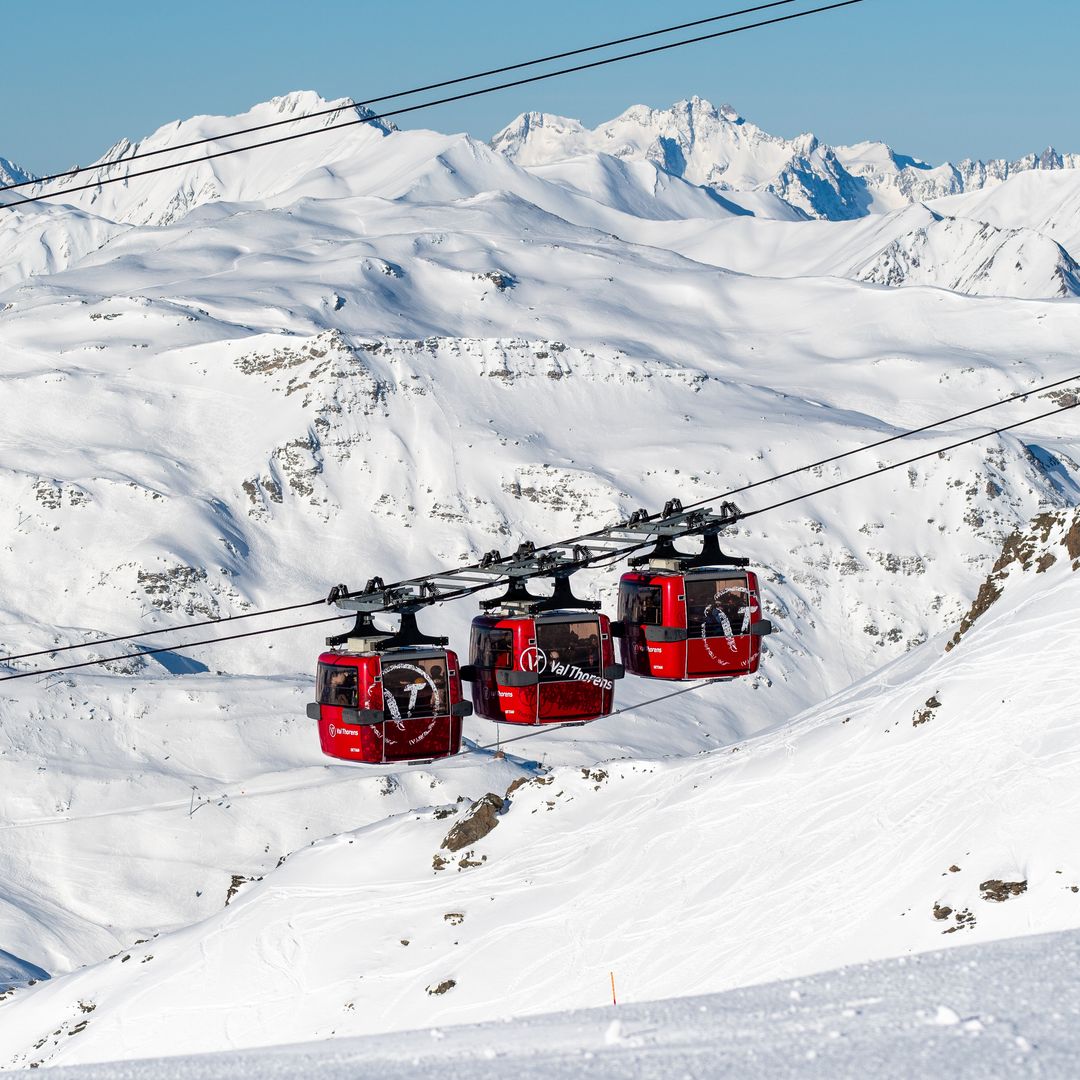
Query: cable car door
[721,607]
[569,662]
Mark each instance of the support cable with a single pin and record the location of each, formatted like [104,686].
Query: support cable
[168,648]
[602,559]
[390,97]
[429,104]
[545,728]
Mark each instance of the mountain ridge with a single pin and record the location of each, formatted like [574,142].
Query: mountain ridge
[718,147]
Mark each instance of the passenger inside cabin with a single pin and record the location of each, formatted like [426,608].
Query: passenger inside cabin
[340,689]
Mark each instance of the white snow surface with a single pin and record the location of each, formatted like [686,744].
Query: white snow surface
[10,173]
[859,830]
[718,147]
[232,388]
[1007,1008]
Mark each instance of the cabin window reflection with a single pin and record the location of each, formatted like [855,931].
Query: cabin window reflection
[569,648]
[640,604]
[492,648]
[414,689]
[337,685]
[717,607]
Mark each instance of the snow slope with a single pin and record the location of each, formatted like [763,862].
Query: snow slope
[398,358]
[910,246]
[985,1010]
[928,804]
[978,259]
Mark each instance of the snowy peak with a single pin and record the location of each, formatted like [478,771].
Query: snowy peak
[896,179]
[976,258]
[721,149]
[10,173]
[706,145]
[522,136]
[168,196]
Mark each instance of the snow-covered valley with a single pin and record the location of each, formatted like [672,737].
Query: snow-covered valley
[383,352]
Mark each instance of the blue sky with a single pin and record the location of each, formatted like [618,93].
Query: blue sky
[940,79]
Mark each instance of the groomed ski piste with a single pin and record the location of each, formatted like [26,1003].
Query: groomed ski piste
[231,387]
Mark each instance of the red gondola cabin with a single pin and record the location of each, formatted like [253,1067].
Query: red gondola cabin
[396,706]
[696,624]
[551,667]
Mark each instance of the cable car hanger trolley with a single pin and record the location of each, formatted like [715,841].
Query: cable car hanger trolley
[387,696]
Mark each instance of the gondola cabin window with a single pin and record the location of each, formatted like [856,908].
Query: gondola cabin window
[336,685]
[492,648]
[569,649]
[718,606]
[414,688]
[640,604]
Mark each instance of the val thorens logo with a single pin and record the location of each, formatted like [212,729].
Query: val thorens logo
[333,731]
[534,659]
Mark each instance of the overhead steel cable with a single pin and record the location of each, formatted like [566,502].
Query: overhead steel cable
[23,201]
[167,648]
[545,728]
[885,442]
[600,560]
[630,548]
[399,94]
[162,630]
[907,461]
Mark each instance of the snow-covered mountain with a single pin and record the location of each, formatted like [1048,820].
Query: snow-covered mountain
[978,259]
[694,140]
[235,386]
[167,196]
[1046,202]
[853,832]
[719,148]
[10,173]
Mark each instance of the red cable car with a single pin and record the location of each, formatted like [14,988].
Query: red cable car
[389,697]
[690,616]
[542,660]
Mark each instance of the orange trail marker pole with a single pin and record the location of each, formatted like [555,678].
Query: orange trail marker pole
[613,1001]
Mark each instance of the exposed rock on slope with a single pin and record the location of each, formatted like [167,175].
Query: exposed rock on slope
[1050,537]
[978,259]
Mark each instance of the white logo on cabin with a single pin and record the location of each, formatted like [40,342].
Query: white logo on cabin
[535,659]
[715,617]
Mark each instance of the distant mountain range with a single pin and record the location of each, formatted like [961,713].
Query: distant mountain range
[695,179]
[720,149]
